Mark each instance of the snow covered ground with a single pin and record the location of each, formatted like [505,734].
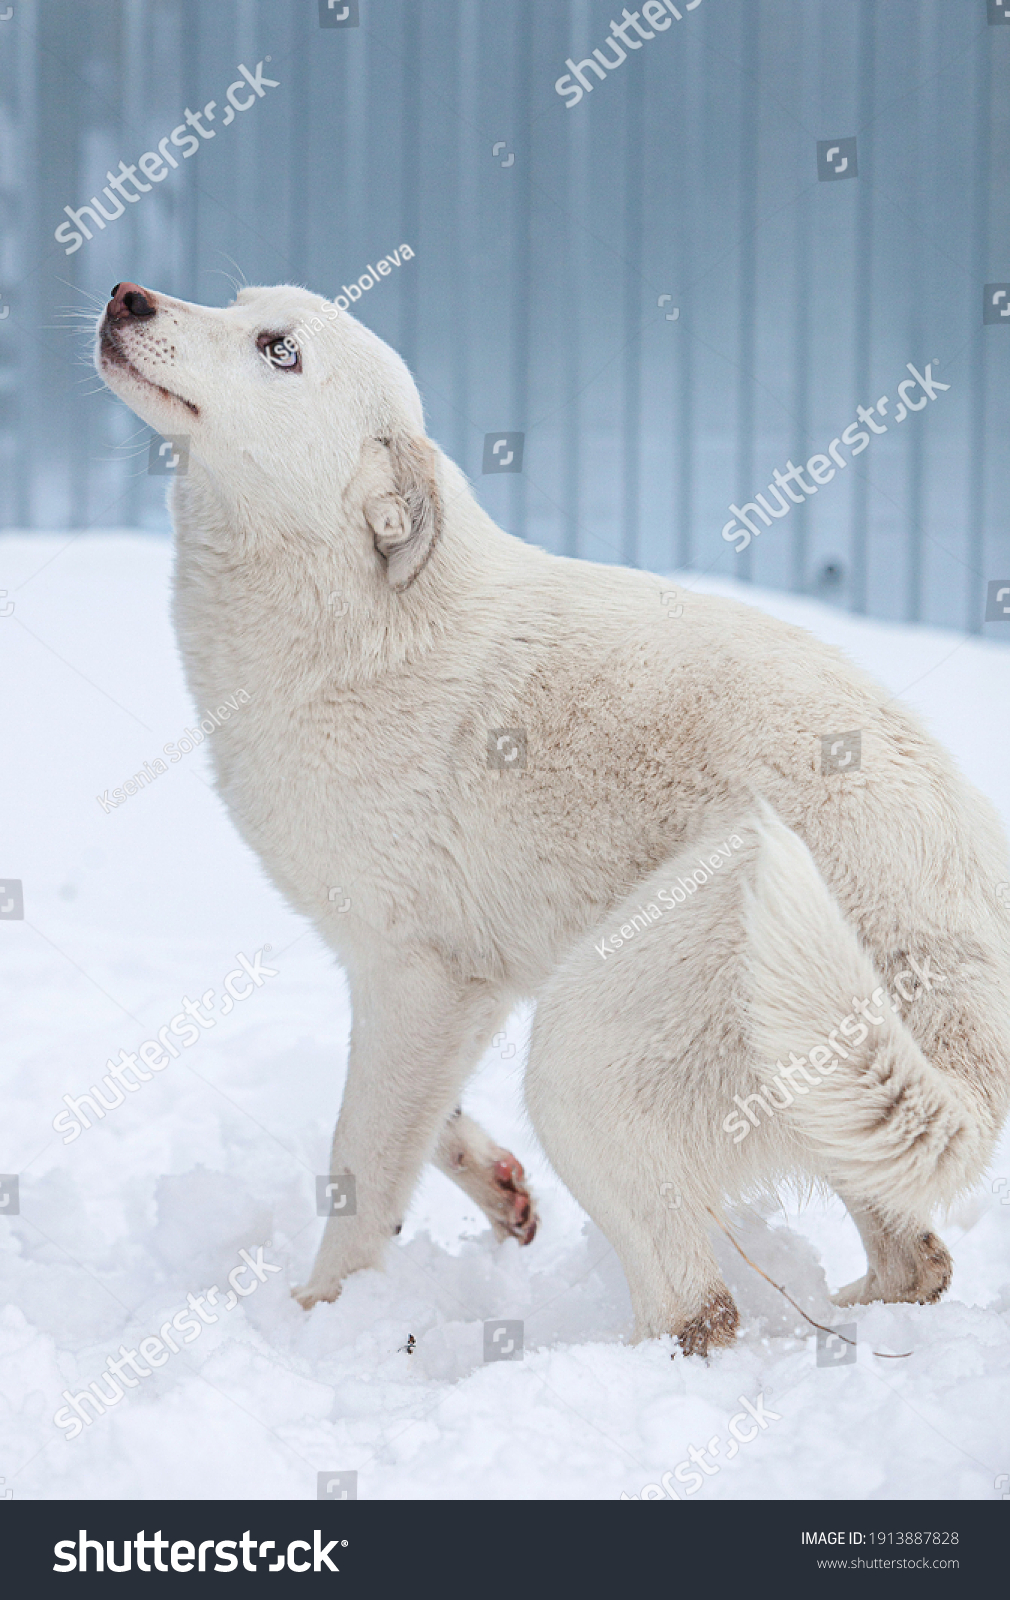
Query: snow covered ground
[127,912]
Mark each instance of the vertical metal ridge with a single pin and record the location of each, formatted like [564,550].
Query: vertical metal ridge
[408,283]
[634,89]
[747,280]
[866,90]
[975,531]
[521,253]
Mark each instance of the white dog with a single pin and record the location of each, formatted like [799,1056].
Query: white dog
[503,759]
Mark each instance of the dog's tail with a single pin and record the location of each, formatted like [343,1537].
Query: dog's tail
[883,1124]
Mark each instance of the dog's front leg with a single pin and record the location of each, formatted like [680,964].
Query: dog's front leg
[416,1036]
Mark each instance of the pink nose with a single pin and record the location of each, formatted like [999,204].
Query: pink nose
[128,301]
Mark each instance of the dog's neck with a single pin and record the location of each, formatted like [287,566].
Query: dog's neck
[263,586]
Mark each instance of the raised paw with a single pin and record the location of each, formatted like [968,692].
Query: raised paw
[491,1176]
[517,1218]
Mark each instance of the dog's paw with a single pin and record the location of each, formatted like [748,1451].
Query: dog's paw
[715,1326]
[308,1295]
[920,1278]
[511,1207]
[934,1270]
[491,1177]
[861,1292]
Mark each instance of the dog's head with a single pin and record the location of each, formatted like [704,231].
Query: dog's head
[287,401]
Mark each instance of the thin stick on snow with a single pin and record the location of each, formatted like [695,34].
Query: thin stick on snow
[885,1355]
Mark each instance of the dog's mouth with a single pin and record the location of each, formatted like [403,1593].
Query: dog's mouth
[113,355]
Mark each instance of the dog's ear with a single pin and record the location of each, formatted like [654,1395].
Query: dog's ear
[404,511]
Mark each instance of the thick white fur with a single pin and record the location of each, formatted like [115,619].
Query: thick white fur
[641,1057]
[333,562]
[891,1127]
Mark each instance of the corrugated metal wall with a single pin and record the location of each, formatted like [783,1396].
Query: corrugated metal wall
[544,237]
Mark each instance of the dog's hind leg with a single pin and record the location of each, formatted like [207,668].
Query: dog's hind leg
[634,1057]
[907,1262]
[899,1126]
[612,1151]
[489,1175]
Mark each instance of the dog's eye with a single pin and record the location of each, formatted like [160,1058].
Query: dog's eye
[279,350]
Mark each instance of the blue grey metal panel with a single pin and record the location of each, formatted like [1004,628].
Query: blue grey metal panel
[545,238]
